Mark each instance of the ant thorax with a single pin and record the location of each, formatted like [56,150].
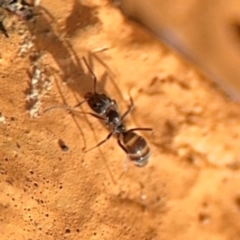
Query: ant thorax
[113,118]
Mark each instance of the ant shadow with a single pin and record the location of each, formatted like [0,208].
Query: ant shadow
[47,37]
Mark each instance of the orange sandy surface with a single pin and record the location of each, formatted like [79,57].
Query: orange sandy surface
[190,188]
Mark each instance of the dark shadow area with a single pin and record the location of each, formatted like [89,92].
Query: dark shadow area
[235,29]
[47,37]
[81,17]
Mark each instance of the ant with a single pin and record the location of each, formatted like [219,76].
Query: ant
[106,109]
[19,7]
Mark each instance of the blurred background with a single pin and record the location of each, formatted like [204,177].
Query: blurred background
[206,32]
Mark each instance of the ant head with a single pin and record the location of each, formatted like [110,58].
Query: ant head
[99,103]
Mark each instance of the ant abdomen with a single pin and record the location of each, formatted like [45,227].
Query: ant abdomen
[136,147]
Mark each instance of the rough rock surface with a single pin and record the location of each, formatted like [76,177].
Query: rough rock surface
[50,189]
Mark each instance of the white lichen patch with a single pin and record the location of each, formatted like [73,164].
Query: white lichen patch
[40,84]
[36,2]
[25,46]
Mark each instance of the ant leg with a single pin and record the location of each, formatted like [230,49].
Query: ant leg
[79,104]
[89,113]
[56,107]
[100,143]
[65,107]
[140,129]
[115,105]
[125,165]
[92,74]
[3,30]
[121,146]
[73,110]
[130,108]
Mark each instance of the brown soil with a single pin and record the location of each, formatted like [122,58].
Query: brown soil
[189,189]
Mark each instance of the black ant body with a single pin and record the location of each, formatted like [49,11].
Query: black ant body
[106,109]
[18,7]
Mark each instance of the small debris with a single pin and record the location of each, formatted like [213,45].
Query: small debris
[62,145]
[2,119]
[204,218]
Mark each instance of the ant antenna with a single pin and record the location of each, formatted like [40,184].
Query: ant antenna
[57,107]
[92,74]
[3,30]
[73,110]
[64,107]
[79,104]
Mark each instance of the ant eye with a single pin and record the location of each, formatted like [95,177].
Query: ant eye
[95,105]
